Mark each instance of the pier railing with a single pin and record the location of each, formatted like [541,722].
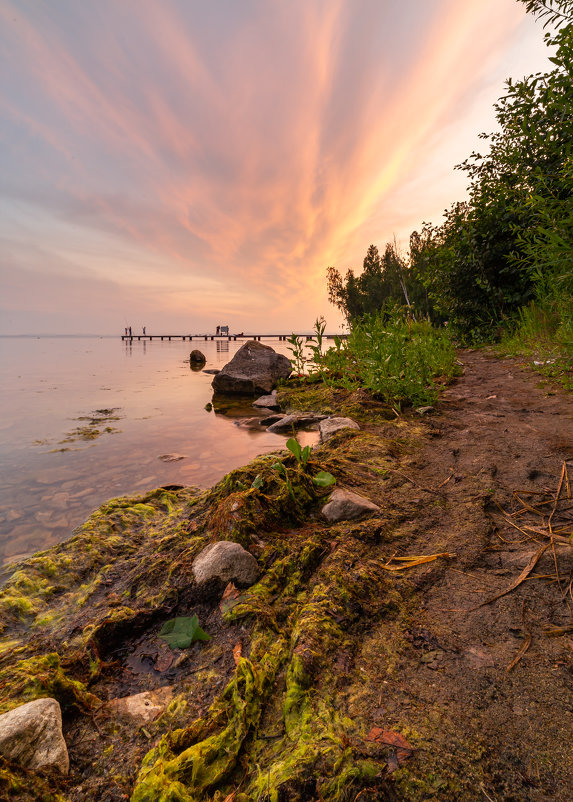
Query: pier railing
[191,337]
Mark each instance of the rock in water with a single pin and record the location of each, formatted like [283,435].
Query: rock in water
[226,561]
[31,735]
[197,357]
[330,426]
[255,368]
[267,402]
[344,505]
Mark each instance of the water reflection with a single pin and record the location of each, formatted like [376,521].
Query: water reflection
[47,486]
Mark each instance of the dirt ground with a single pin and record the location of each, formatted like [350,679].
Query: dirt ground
[370,677]
[496,434]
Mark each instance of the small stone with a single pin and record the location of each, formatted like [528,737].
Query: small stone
[31,735]
[171,457]
[226,561]
[145,706]
[478,657]
[296,420]
[431,656]
[424,410]
[272,418]
[344,505]
[253,424]
[330,426]
[267,401]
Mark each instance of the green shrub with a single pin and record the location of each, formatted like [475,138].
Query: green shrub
[396,358]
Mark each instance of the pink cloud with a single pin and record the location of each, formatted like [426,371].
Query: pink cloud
[254,158]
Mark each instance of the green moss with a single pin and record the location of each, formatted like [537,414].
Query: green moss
[129,567]
[36,677]
[25,786]
[187,764]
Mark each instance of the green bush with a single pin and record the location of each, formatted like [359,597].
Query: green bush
[396,358]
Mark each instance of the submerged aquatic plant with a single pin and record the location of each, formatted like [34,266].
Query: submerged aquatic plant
[179,633]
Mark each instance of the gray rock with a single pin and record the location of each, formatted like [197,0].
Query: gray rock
[330,426]
[424,410]
[267,402]
[344,505]
[297,420]
[255,368]
[253,424]
[31,735]
[198,357]
[226,561]
[272,418]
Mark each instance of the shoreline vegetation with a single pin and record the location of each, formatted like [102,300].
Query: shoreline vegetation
[498,269]
[420,649]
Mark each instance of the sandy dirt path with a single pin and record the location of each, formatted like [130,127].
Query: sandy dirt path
[488,686]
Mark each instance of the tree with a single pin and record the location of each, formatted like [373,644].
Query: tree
[555,12]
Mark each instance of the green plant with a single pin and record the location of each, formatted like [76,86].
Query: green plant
[394,356]
[323,479]
[296,348]
[301,454]
[179,633]
[316,350]
[282,471]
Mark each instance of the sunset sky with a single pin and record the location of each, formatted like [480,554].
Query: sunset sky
[183,163]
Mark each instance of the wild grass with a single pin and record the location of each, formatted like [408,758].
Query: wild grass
[543,334]
[401,361]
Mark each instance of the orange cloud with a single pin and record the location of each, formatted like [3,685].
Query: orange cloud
[242,153]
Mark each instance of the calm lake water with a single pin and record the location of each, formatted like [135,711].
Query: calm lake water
[58,391]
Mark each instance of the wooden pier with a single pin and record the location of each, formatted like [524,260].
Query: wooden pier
[131,337]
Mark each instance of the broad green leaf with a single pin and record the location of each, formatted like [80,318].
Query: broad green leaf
[305,454]
[324,479]
[179,633]
[258,482]
[294,446]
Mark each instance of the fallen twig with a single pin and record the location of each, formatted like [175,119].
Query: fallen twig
[523,648]
[523,575]
[409,478]
[411,562]
[526,643]
[563,474]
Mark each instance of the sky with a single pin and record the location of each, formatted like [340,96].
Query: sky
[181,164]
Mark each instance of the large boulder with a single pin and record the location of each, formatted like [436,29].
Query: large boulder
[225,561]
[31,735]
[255,368]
